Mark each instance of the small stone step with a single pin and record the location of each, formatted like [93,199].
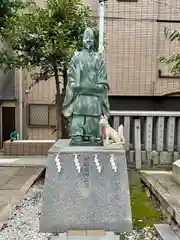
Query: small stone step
[166,232]
[86,235]
[77,233]
[86,238]
[95,233]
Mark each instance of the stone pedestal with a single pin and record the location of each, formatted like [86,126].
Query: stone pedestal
[176,171]
[90,191]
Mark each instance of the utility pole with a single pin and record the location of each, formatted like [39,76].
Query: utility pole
[20,104]
[101,25]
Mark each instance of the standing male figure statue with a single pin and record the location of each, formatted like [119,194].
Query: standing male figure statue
[86,96]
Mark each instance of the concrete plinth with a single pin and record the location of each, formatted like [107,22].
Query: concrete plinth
[91,191]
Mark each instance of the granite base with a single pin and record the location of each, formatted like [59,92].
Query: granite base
[86,200]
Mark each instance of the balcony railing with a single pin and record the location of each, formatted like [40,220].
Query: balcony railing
[152,138]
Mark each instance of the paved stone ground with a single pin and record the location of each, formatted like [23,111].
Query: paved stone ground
[28,161]
[167,191]
[14,183]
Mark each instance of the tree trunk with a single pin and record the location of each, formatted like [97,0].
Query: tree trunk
[64,120]
[58,105]
[64,78]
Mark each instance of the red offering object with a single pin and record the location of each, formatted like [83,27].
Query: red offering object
[104,132]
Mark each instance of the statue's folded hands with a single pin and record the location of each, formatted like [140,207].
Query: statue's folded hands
[77,89]
[89,90]
[99,89]
[73,85]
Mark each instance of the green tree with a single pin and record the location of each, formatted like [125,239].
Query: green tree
[172,61]
[43,41]
[8,8]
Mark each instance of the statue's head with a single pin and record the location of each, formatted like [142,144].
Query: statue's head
[88,39]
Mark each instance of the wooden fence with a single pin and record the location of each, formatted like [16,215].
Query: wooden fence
[152,138]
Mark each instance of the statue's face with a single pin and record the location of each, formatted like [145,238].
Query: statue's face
[88,42]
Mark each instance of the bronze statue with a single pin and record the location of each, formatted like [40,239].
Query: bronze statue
[86,96]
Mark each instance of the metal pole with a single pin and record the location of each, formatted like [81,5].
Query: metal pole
[20,105]
[101,26]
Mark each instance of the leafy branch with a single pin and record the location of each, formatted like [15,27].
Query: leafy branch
[43,40]
[172,61]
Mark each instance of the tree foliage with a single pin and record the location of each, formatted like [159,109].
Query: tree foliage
[8,8]
[45,38]
[172,61]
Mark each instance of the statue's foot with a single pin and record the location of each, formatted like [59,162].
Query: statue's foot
[89,141]
[86,138]
[92,139]
[95,140]
[77,139]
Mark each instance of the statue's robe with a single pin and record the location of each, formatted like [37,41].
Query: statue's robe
[87,71]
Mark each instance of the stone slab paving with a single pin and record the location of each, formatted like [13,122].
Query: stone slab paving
[6,174]
[14,183]
[166,232]
[28,161]
[166,190]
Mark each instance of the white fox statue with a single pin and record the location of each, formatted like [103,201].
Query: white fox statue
[116,136]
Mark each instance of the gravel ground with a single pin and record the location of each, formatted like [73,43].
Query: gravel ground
[24,224]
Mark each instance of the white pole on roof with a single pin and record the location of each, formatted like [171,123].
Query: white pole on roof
[101,25]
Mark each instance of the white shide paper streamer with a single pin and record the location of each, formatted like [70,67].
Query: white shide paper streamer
[97,162]
[113,164]
[77,164]
[58,163]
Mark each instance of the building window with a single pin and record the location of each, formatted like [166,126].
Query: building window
[41,115]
